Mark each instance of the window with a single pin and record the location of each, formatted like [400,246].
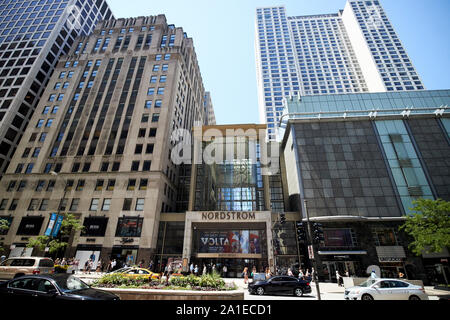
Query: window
[158,57]
[44,205]
[152,133]
[131,184]
[129,227]
[69,185]
[74,204]
[94,227]
[36,152]
[161,90]
[138,149]
[30,226]
[43,136]
[29,168]
[165,67]
[135,166]
[141,133]
[106,204]
[167,56]
[40,123]
[155,117]
[149,148]
[153,79]
[338,237]
[156,67]
[111,184]
[19,168]
[104,167]
[76,167]
[115,166]
[127,204]
[140,204]
[13,204]
[150,91]
[144,118]
[80,185]
[94,204]
[146,166]
[384,237]
[3,204]
[51,185]
[148,104]
[86,167]
[143,184]
[49,123]
[99,185]
[33,204]
[162,79]
[40,185]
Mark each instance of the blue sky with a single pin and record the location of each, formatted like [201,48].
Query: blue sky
[223,33]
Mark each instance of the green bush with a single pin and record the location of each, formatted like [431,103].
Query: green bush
[191,282]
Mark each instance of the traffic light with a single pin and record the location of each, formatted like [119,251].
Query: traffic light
[318,232]
[301,232]
[282,218]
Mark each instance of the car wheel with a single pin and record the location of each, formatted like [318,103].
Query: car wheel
[260,291]
[366,297]
[415,298]
[298,292]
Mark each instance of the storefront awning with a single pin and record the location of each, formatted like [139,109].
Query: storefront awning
[336,253]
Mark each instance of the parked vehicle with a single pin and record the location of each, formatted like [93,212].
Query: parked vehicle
[52,287]
[280,285]
[385,289]
[20,266]
[133,272]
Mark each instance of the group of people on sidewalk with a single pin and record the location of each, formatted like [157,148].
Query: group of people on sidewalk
[308,276]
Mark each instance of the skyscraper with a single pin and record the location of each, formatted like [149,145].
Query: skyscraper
[99,143]
[34,34]
[354,50]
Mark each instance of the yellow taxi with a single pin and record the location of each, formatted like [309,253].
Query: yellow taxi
[134,272]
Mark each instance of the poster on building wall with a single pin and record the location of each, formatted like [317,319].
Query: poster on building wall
[82,256]
[243,241]
[254,244]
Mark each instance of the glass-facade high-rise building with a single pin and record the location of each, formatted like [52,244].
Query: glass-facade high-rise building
[354,50]
[33,35]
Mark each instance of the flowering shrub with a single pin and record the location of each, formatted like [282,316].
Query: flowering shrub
[209,282]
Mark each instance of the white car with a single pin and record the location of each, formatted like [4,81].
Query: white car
[385,289]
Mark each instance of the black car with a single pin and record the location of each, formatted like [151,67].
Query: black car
[280,285]
[61,286]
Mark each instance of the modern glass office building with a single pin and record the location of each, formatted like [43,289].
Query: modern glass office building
[33,36]
[354,50]
[359,161]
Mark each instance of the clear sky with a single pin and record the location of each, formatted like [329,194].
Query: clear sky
[224,33]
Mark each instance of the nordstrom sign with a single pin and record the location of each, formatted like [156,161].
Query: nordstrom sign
[228,215]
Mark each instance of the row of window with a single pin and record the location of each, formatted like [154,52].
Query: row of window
[43,204]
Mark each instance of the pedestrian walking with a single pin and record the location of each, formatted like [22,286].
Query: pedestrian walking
[224,271]
[313,274]
[300,274]
[213,269]
[245,274]
[196,270]
[289,273]
[191,268]
[373,274]
[347,274]
[113,264]
[204,269]
[170,269]
[338,278]
[99,266]
[253,271]
[150,266]
[268,273]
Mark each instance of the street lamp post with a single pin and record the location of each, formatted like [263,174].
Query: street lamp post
[316,278]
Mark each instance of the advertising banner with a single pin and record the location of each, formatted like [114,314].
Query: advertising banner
[243,241]
[57,227]
[51,223]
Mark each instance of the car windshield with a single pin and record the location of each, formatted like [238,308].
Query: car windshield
[71,284]
[121,270]
[367,283]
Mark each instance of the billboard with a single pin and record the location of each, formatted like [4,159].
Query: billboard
[242,241]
